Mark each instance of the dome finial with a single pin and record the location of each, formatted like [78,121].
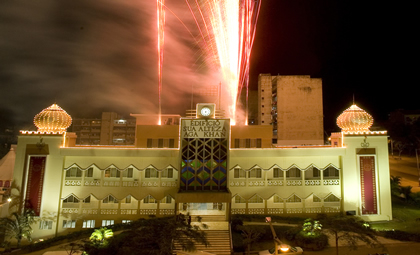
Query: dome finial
[52,119]
[354,119]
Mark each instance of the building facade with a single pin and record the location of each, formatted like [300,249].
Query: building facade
[292,105]
[110,129]
[213,169]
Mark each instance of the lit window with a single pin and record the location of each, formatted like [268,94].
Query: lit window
[107,223]
[294,199]
[255,173]
[168,173]
[69,223]
[109,199]
[331,173]
[112,172]
[277,173]
[151,173]
[332,198]
[74,172]
[277,199]
[316,199]
[86,200]
[256,200]
[239,200]
[128,173]
[89,172]
[126,221]
[149,200]
[166,200]
[45,224]
[238,173]
[293,173]
[88,224]
[71,199]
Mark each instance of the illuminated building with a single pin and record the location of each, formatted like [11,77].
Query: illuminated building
[292,105]
[111,129]
[201,165]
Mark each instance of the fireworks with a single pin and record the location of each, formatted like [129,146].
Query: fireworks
[161,30]
[227,31]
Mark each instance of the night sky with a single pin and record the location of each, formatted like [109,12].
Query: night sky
[94,56]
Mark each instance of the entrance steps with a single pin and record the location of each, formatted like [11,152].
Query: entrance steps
[219,241]
[209,218]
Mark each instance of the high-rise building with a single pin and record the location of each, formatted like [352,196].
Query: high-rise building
[111,129]
[292,105]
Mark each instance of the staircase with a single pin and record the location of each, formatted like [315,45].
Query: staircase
[219,243]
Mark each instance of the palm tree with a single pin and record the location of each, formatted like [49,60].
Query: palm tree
[100,236]
[18,225]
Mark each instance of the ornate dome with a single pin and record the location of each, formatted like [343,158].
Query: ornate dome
[52,119]
[354,119]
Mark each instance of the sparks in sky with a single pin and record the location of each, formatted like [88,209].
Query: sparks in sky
[161,30]
[227,29]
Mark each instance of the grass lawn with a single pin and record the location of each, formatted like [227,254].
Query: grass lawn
[404,218]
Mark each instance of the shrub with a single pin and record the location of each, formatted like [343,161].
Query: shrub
[311,242]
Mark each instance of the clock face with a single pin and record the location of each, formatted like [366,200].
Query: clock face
[205,111]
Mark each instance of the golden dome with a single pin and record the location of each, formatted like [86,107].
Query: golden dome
[52,119]
[354,119]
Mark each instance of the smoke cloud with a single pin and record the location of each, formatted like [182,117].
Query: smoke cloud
[94,56]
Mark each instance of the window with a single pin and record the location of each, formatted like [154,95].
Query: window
[89,172]
[107,223]
[71,199]
[256,200]
[247,143]
[74,172]
[166,200]
[127,199]
[255,173]
[259,143]
[151,173]
[149,200]
[160,143]
[332,198]
[316,199]
[168,173]
[332,173]
[277,173]
[236,143]
[88,224]
[69,223]
[293,173]
[294,199]
[86,200]
[126,221]
[109,199]
[316,172]
[45,224]
[149,143]
[112,172]
[238,173]
[171,143]
[239,200]
[277,199]
[128,173]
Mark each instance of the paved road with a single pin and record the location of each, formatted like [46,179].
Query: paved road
[407,169]
[392,249]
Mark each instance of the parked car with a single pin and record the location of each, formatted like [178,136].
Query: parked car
[292,250]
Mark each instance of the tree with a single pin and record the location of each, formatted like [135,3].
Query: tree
[349,229]
[155,236]
[251,234]
[311,227]
[395,185]
[100,236]
[18,225]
